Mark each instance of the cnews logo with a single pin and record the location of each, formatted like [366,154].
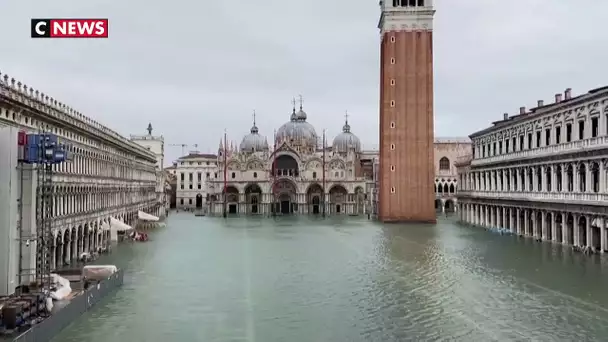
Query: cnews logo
[69,28]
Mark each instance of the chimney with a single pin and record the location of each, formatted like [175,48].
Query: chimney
[541,103]
[505,116]
[522,110]
[568,94]
[558,98]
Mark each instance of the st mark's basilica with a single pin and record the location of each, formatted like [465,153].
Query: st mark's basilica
[290,174]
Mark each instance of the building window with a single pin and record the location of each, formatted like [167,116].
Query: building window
[392,167]
[558,134]
[208,175]
[233,175]
[182,186]
[392,81]
[444,163]
[189,200]
[181,201]
[255,175]
[314,174]
[392,103]
[392,124]
[568,132]
[581,130]
[392,190]
[392,61]
[215,175]
[181,175]
[392,39]
[392,146]
[199,186]
[594,127]
[190,186]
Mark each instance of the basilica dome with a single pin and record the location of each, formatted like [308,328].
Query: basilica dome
[253,142]
[346,141]
[297,130]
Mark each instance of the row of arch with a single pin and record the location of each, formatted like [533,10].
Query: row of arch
[284,196]
[568,177]
[571,228]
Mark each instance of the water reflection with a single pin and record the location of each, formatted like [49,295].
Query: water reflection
[343,279]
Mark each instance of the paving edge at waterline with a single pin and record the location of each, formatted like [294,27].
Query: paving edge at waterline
[50,327]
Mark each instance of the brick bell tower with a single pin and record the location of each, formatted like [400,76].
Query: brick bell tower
[407,169]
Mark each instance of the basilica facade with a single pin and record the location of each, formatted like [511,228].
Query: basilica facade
[298,175]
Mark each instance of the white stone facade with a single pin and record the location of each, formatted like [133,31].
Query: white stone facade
[193,172]
[107,176]
[156,144]
[542,173]
[294,177]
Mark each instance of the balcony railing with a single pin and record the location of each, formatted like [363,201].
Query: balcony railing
[539,196]
[573,146]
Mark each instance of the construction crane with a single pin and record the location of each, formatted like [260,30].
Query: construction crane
[183,146]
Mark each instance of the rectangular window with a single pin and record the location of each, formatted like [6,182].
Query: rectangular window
[530,141]
[594,127]
[181,175]
[500,147]
[190,176]
[521,142]
[558,134]
[507,146]
[568,132]
[581,130]
[538,138]
[494,149]
[514,147]
[547,137]
[199,176]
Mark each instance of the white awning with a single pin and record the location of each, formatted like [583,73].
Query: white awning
[147,217]
[119,226]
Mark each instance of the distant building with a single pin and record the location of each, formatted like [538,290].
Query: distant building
[542,173]
[193,173]
[155,144]
[298,175]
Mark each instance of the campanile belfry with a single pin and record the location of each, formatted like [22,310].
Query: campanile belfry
[407,169]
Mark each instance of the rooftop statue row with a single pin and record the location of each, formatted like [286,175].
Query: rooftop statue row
[11,87]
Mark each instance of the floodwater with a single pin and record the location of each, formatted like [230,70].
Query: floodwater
[344,279]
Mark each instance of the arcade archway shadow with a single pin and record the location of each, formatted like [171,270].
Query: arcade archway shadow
[199,201]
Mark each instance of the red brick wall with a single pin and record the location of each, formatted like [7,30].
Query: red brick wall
[413,157]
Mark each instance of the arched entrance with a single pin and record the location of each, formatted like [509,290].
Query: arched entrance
[232,199]
[439,202]
[337,197]
[285,165]
[253,196]
[285,195]
[314,194]
[449,206]
[199,201]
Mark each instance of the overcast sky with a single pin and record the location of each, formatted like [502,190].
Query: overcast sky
[194,68]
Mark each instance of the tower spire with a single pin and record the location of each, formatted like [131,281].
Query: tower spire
[149,129]
[300,96]
[254,117]
[293,111]
[346,127]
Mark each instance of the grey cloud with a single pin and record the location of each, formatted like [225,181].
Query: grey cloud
[194,68]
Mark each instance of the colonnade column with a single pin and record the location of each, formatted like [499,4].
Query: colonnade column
[576,230]
[543,225]
[601,224]
[564,228]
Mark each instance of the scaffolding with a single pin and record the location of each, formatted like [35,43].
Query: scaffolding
[41,151]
